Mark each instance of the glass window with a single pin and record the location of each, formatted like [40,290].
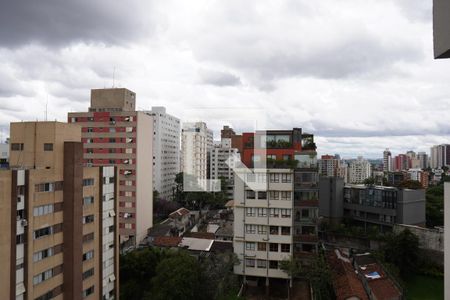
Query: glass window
[285,230]
[249,262]
[262,229]
[251,246]
[261,263]
[273,247]
[273,264]
[48,147]
[262,246]
[262,195]
[274,212]
[273,230]
[274,195]
[262,212]
[285,248]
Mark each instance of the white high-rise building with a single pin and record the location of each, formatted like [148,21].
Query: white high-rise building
[223,160]
[196,140]
[359,170]
[440,156]
[166,151]
[387,161]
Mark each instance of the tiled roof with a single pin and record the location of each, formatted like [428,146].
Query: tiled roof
[179,213]
[230,203]
[167,241]
[384,288]
[221,246]
[346,283]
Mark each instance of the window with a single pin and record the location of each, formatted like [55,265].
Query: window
[273,229]
[40,255]
[305,213]
[250,195]
[251,177]
[43,276]
[250,246]
[274,177]
[42,232]
[43,210]
[88,237]
[251,229]
[88,255]
[250,211]
[88,200]
[262,212]
[285,213]
[286,157]
[20,239]
[286,178]
[262,246]
[262,229]
[17,147]
[273,264]
[88,181]
[262,264]
[274,212]
[48,147]
[262,195]
[285,230]
[261,177]
[273,247]
[249,262]
[271,156]
[88,273]
[88,291]
[285,248]
[88,219]
[285,195]
[274,195]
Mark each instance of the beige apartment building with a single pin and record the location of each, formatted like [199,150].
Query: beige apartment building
[59,237]
[114,133]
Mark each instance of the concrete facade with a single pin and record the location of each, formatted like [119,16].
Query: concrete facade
[196,141]
[331,199]
[114,133]
[359,170]
[223,159]
[441,24]
[166,151]
[52,205]
[4,155]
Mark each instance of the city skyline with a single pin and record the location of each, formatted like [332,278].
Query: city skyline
[366,88]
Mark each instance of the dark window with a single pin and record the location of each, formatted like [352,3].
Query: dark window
[285,230]
[88,181]
[273,229]
[48,147]
[262,246]
[273,264]
[262,195]
[88,273]
[273,247]
[285,248]
[88,219]
[88,291]
[20,239]
[17,146]
[88,237]
[42,232]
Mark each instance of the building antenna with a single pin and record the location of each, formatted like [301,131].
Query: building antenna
[46,109]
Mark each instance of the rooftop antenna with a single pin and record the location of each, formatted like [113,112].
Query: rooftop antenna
[46,109]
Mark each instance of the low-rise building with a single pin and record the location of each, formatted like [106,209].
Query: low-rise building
[4,155]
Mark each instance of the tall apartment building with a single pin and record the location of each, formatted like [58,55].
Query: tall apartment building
[236,139]
[329,166]
[4,155]
[423,160]
[114,133]
[59,236]
[166,151]
[440,156]
[402,162]
[196,142]
[276,208]
[359,170]
[387,161]
[419,175]
[224,159]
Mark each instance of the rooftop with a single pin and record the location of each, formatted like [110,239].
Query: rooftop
[167,241]
[179,213]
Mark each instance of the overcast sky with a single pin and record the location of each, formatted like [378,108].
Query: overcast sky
[360,75]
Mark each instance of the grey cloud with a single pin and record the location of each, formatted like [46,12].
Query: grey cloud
[219,78]
[55,22]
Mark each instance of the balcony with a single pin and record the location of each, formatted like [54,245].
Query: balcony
[306,203]
[281,164]
[306,238]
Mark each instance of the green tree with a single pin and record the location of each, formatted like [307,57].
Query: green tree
[179,277]
[402,250]
[410,184]
[317,273]
[435,206]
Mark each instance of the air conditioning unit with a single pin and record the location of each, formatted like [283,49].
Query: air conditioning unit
[24,223]
[127,172]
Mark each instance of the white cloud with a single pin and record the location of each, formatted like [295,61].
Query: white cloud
[358,74]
